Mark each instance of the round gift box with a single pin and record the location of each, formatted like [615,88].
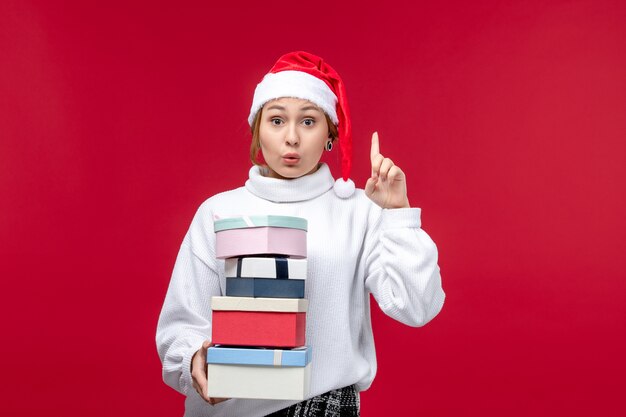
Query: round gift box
[257,235]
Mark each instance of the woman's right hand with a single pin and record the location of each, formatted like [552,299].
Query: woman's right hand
[199,376]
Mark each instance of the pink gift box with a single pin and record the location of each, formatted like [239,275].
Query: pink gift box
[261,240]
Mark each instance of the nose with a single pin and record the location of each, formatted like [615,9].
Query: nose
[292,135]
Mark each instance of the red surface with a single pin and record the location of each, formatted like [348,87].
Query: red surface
[255,328]
[117,119]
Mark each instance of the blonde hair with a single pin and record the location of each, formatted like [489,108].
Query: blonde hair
[255,146]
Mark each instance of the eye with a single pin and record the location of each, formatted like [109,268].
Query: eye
[308,122]
[276,121]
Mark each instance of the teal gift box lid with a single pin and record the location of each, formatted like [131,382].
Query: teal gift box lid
[242,222]
[224,355]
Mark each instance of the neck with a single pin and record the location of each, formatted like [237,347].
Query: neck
[284,190]
[273,174]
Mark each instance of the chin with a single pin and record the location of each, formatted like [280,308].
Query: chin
[291,174]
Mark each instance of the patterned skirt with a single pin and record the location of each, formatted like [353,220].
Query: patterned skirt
[343,402]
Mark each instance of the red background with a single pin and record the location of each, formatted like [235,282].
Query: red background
[509,118]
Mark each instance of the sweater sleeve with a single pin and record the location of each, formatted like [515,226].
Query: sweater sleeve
[185,320]
[401,268]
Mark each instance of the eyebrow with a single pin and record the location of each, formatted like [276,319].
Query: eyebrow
[277,107]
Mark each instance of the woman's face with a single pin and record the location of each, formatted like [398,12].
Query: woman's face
[292,133]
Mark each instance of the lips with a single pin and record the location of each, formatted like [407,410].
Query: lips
[291,158]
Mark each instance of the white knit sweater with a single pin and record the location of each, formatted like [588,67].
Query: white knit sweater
[354,248]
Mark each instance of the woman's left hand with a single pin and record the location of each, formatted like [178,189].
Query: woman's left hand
[387,185]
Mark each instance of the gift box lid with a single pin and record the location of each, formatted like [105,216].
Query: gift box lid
[281,305]
[266,267]
[242,222]
[259,356]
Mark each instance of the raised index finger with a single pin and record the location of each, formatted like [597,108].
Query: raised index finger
[375,147]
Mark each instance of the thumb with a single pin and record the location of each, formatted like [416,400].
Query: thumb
[370,186]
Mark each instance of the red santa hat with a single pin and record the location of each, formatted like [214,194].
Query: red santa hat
[303,75]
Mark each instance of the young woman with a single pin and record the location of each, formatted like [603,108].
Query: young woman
[359,242]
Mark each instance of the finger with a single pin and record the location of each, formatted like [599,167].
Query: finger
[199,381]
[376,163]
[201,389]
[203,393]
[370,186]
[395,173]
[384,168]
[375,147]
[198,373]
[219,400]
[204,396]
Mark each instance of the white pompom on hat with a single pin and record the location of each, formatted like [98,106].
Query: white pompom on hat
[304,75]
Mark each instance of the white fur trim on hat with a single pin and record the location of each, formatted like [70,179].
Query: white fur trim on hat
[295,84]
[344,189]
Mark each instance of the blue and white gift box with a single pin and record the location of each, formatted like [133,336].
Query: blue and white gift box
[265,277]
[277,374]
[266,267]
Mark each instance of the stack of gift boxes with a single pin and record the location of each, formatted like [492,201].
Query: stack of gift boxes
[259,326]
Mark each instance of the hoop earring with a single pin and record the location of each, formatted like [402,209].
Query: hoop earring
[329,145]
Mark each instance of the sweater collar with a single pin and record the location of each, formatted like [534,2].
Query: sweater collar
[277,190]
